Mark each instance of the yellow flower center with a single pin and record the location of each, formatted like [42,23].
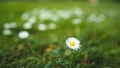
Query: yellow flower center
[72,43]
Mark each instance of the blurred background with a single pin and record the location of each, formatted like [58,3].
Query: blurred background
[33,33]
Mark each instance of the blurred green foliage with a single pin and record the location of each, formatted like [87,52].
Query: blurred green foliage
[54,0]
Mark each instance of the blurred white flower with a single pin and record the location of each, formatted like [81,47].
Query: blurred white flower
[45,15]
[100,18]
[78,12]
[76,21]
[92,18]
[64,14]
[96,19]
[13,25]
[7,26]
[32,20]
[7,32]
[52,26]
[10,25]
[73,43]
[27,25]
[42,27]
[54,18]
[23,34]
[25,16]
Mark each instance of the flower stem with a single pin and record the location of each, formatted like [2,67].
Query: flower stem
[73,57]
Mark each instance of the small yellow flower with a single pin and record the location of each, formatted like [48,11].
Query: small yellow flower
[73,43]
[104,36]
[49,49]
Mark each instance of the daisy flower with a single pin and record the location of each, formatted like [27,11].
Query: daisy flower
[25,16]
[76,21]
[73,43]
[23,34]
[52,26]
[42,27]
[27,25]
[7,32]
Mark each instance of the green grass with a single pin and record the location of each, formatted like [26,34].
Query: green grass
[100,41]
